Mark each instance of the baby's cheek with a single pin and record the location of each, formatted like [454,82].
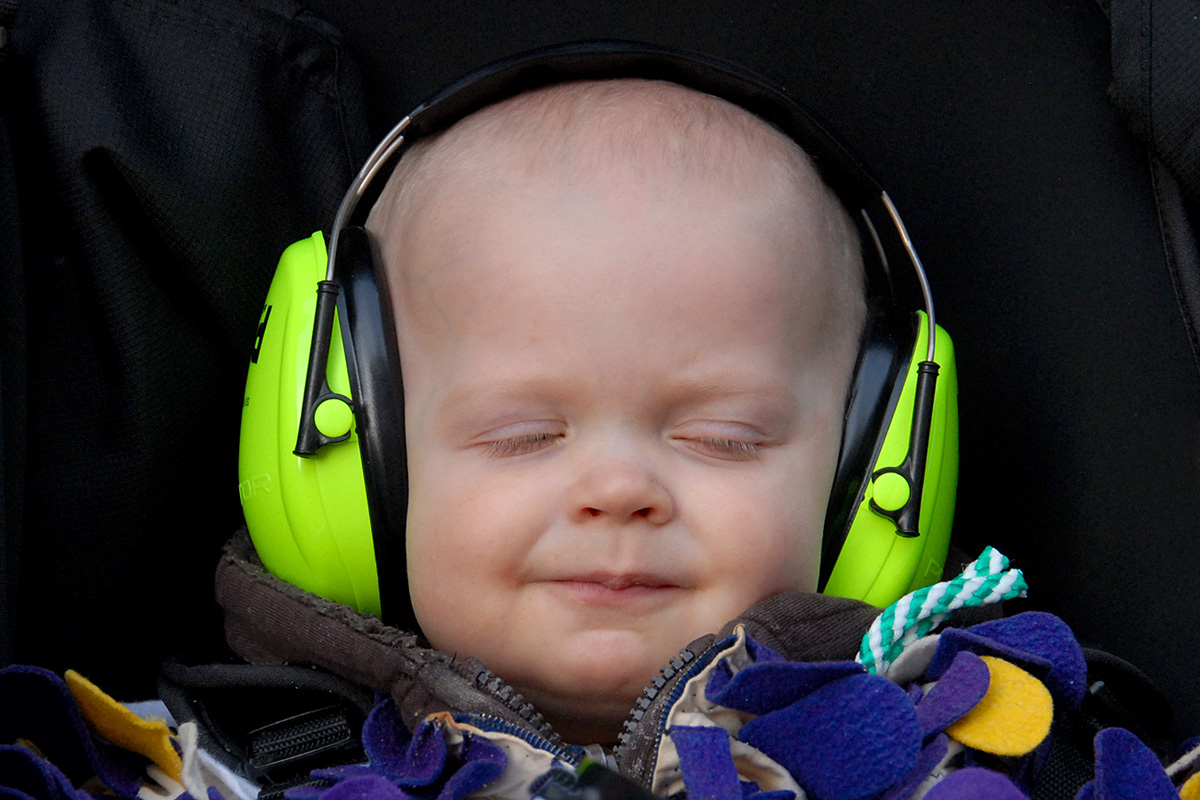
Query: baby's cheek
[782,558]
[444,612]
[436,581]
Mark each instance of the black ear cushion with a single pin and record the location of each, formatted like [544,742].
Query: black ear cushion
[373,362]
[883,362]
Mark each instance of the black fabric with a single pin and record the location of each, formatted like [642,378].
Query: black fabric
[12,339]
[1069,763]
[1156,87]
[1118,695]
[1156,84]
[1179,246]
[166,154]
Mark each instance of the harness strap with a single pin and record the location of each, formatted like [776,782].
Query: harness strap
[273,724]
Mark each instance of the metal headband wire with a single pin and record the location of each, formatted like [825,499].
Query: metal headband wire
[918,267]
[379,156]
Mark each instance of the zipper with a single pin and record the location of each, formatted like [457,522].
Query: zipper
[493,684]
[673,670]
[304,735]
[568,753]
[680,669]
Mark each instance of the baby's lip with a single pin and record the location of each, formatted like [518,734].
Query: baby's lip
[617,590]
[617,581]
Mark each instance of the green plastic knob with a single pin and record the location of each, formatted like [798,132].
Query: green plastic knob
[891,491]
[334,418]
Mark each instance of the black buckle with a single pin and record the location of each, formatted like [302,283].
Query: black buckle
[282,750]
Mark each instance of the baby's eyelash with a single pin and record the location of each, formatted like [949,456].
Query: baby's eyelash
[728,448]
[519,445]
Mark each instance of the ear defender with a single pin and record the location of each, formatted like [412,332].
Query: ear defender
[883,556]
[322,463]
[308,517]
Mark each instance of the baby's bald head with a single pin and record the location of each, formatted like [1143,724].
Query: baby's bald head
[667,137]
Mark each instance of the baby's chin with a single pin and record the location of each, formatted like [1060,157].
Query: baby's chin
[587,695]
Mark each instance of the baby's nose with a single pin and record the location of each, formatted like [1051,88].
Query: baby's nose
[622,490]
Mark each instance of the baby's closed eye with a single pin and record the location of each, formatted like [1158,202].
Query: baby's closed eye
[721,439]
[720,447]
[521,444]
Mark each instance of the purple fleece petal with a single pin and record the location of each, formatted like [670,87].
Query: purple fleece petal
[772,685]
[1087,791]
[1047,637]
[35,704]
[961,687]
[24,773]
[386,740]
[484,762]
[774,794]
[929,758]
[1018,770]
[424,760]
[750,791]
[343,772]
[1187,747]
[975,783]
[761,653]
[305,792]
[367,787]
[1126,769]
[955,640]
[706,762]
[847,740]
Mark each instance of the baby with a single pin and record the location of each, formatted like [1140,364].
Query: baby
[627,316]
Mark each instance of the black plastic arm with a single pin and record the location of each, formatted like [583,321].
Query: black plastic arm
[309,439]
[912,469]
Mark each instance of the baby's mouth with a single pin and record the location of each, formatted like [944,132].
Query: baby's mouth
[604,588]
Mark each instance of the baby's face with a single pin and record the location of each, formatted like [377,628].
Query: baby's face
[621,427]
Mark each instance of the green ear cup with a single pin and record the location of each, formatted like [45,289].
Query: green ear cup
[875,564]
[307,517]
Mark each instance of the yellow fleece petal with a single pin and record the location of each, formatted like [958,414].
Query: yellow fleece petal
[1012,718]
[122,727]
[1191,788]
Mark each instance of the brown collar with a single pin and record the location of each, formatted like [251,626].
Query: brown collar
[269,621]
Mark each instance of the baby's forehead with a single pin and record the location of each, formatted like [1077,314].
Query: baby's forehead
[630,142]
[601,130]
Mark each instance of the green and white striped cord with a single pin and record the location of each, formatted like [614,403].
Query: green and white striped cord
[987,581]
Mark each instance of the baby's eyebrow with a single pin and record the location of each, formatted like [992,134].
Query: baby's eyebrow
[495,401]
[770,403]
[731,385]
[550,388]
[498,390]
